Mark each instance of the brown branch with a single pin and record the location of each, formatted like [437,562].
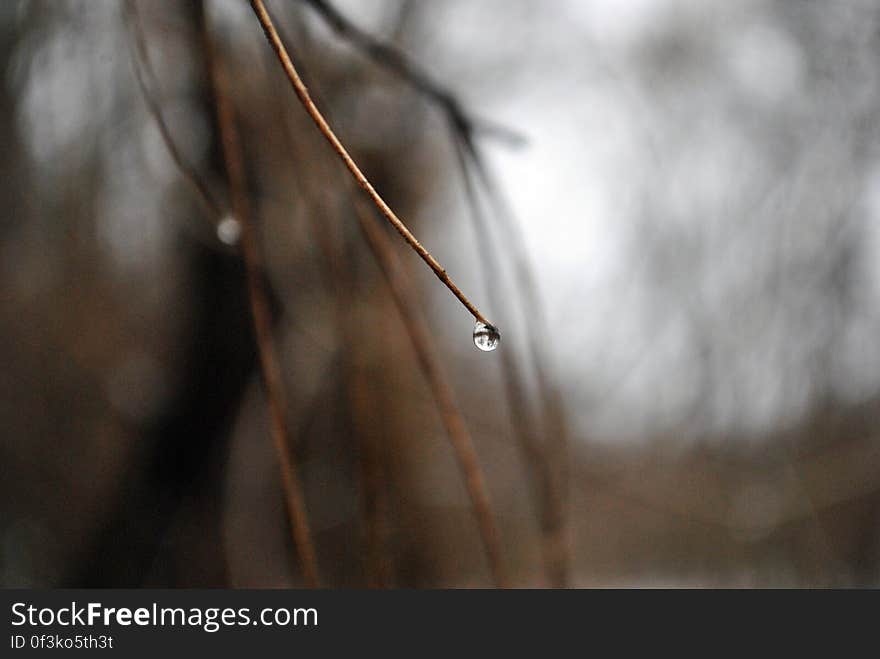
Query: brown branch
[370,450]
[407,305]
[370,454]
[141,64]
[420,336]
[271,370]
[554,468]
[372,458]
[310,107]
[406,301]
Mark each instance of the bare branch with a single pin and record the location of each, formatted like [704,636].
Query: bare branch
[549,470]
[407,305]
[310,107]
[406,301]
[271,369]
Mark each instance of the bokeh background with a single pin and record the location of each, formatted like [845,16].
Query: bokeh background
[682,254]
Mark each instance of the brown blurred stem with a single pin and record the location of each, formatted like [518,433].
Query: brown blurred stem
[554,417]
[406,301]
[310,107]
[142,69]
[271,370]
[371,452]
[546,493]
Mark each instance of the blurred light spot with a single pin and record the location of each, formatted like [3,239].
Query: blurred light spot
[69,84]
[619,22]
[130,224]
[767,63]
[229,230]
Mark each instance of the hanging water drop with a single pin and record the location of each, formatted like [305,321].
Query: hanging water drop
[486,337]
[228,230]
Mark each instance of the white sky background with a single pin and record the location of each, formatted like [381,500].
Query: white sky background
[684,189]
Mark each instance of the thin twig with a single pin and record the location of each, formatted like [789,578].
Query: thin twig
[310,107]
[271,370]
[369,454]
[557,542]
[463,126]
[141,64]
[395,61]
[453,420]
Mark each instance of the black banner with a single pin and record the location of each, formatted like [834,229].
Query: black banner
[146,622]
[135,623]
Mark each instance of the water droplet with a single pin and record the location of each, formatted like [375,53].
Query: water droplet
[229,230]
[486,337]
